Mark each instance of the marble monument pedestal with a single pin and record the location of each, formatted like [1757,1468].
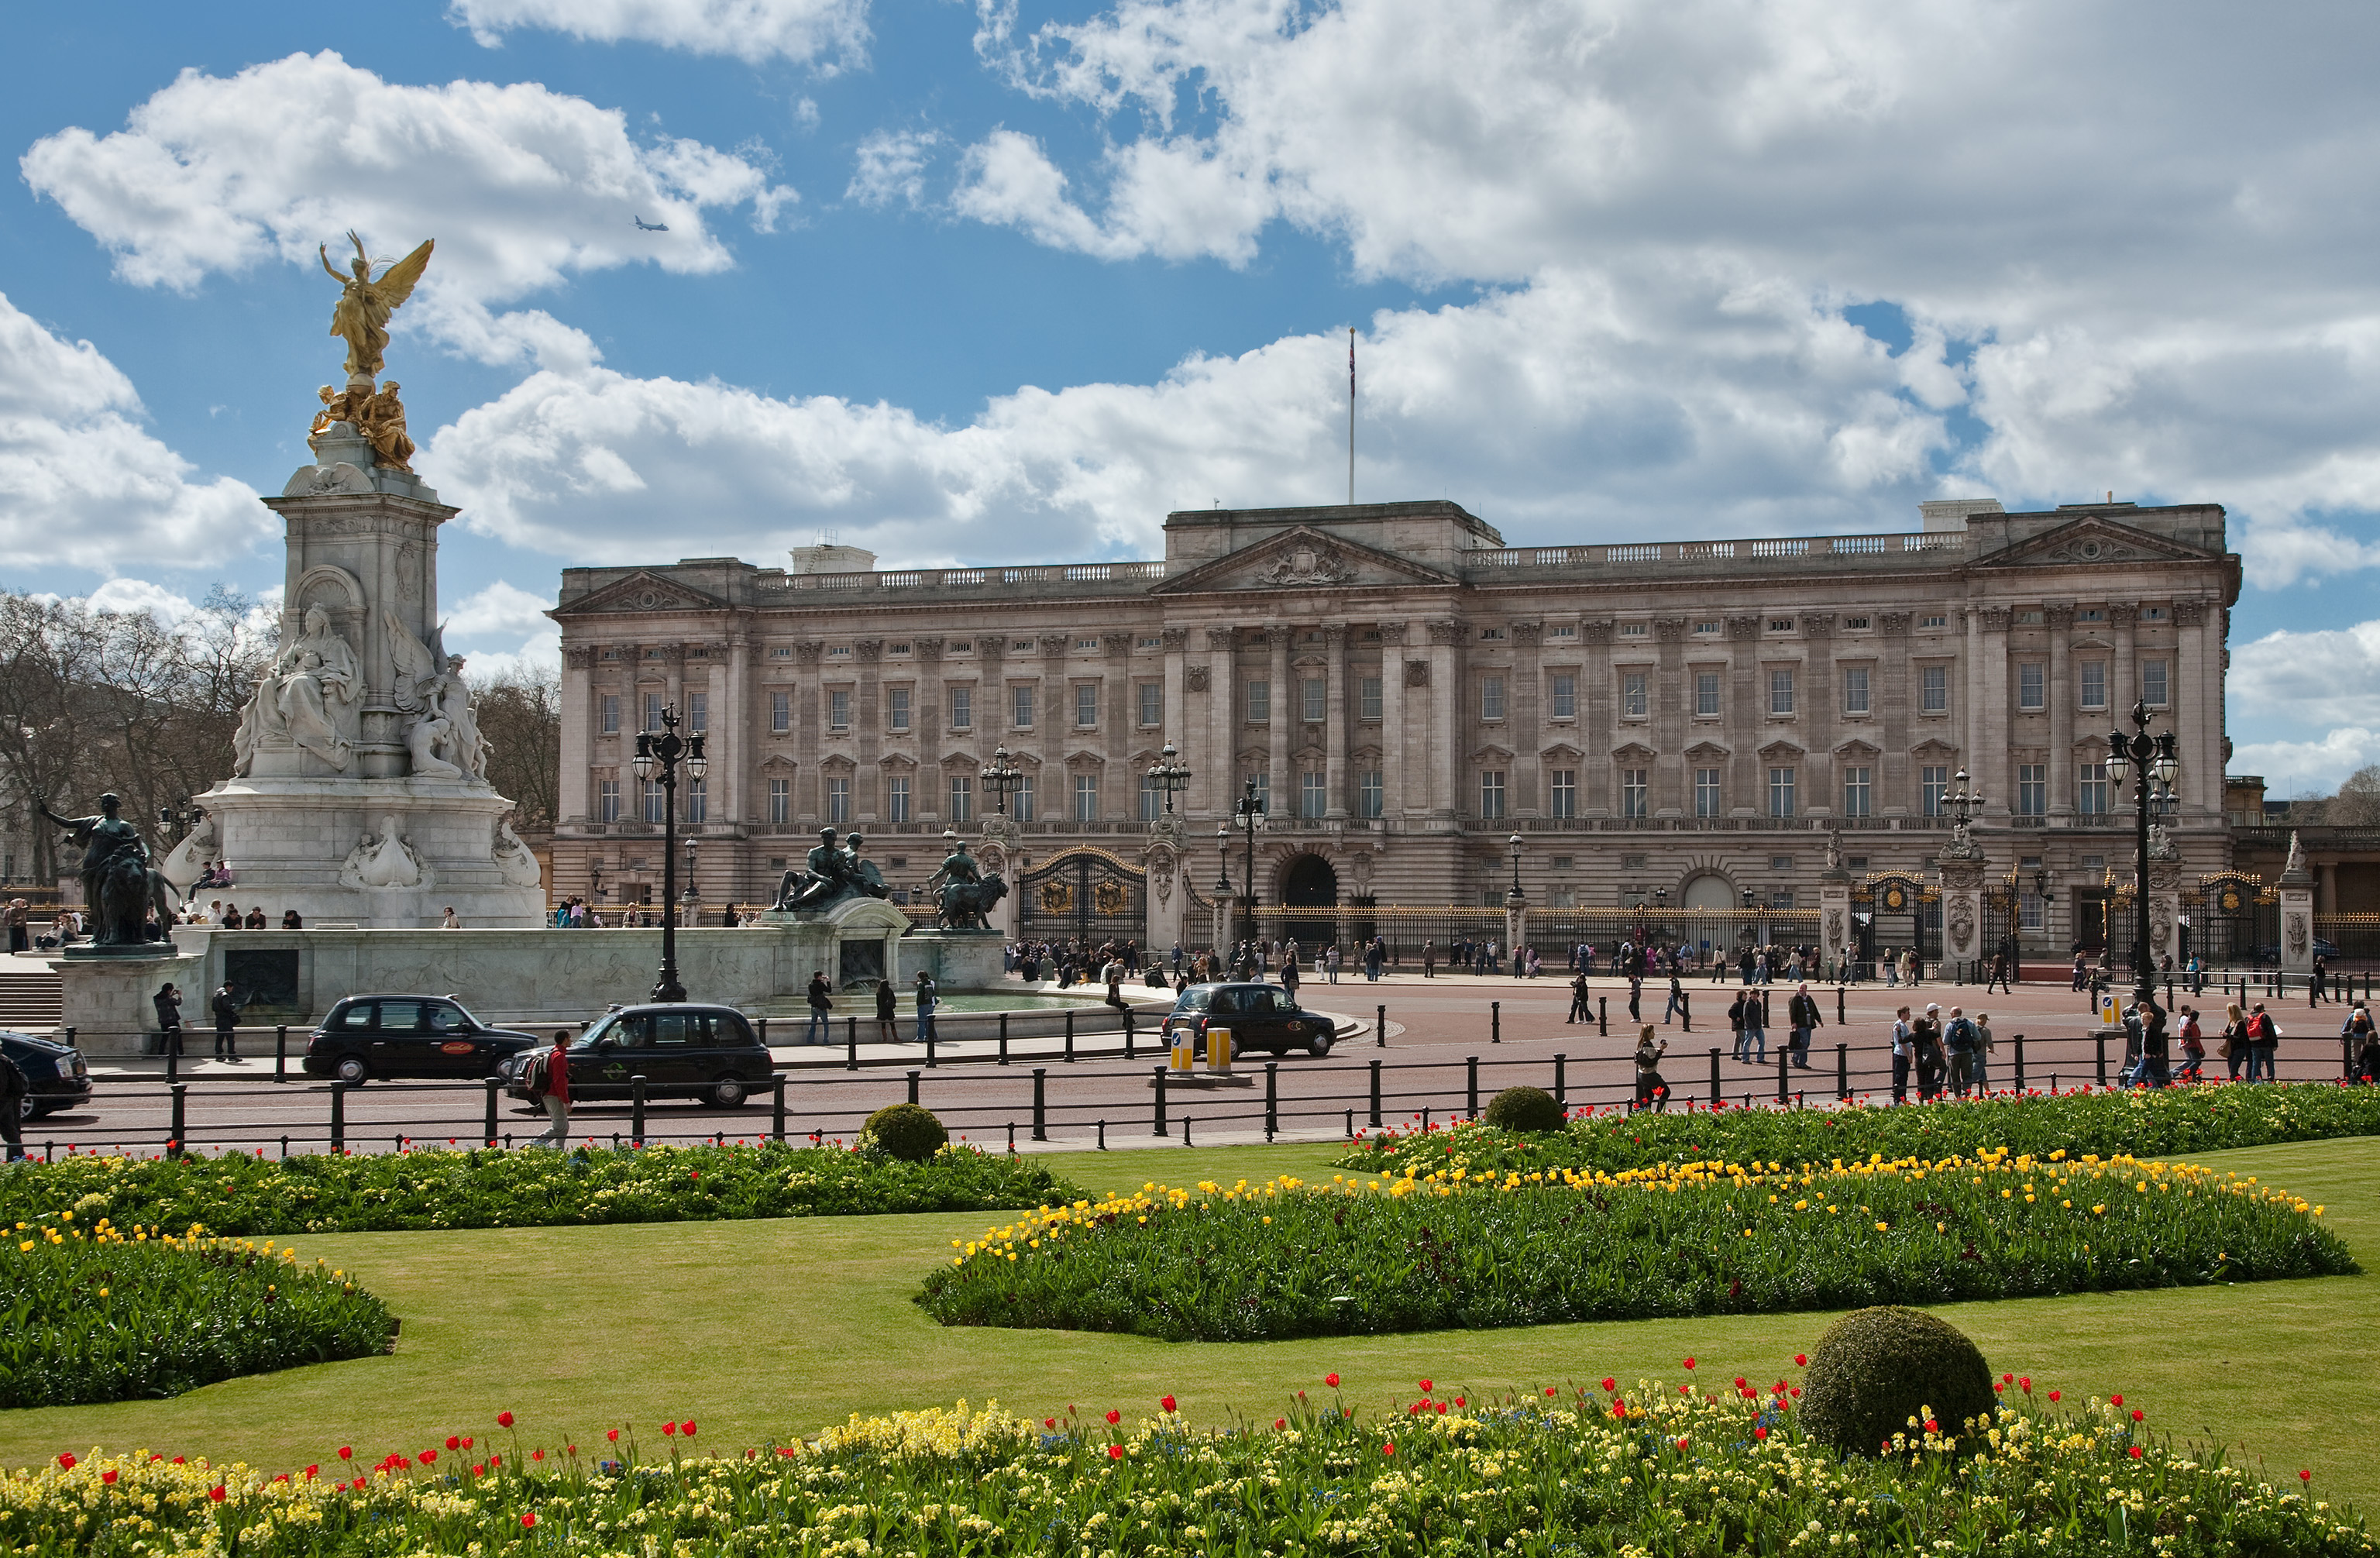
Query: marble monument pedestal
[965,959]
[321,846]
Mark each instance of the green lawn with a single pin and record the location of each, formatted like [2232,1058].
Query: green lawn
[764,1330]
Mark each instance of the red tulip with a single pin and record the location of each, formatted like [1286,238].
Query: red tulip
[66,1461]
[2115,1401]
[2305,1477]
[108,1476]
[1115,1452]
[1932,1426]
[1689,1363]
[427,1456]
[1425,1387]
[1549,1390]
[669,1429]
[1166,1402]
[453,1442]
[1389,1449]
[2138,1414]
[2055,1395]
[217,1493]
[1681,1444]
[1280,1423]
[614,1436]
[1114,1416]
[1800,1360]
[537,1455]
[1760,1433]
[686,1428]
[528,1518]
[2025,1384]
[1330,1380]
[346,1452]
[503,1420]
[2136,1452]
[1609,1384]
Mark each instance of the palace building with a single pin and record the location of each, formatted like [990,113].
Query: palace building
[1676,733]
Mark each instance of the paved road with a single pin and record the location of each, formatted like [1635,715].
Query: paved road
[1515,1032]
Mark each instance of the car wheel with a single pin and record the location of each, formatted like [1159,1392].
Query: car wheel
[28,1110]
[729,1092]
[351,1070]
[1319,1045]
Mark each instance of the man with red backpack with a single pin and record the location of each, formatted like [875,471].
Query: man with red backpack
[2264,1042]
[546,1078]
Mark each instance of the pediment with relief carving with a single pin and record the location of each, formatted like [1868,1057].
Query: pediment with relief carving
[1303,557]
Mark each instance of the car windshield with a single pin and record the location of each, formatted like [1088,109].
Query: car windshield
[1194,999]
[619,1027]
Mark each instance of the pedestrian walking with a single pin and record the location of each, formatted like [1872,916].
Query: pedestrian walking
[1959,1042]
[1289,975]
[2155,1070]
[546,1080]
[2193,1048]
[888,1013]
[1801,1015]
[1925,1034]
[1677,1005]
[1578,1000]
[926,1000]
[451,922]
[2318,987]
[1903,1051]
[1735,1026]
[2234,1046]
[2362,1046]
[1755,1027]
[225,1006]
[821,1001]
[1651,1087]
[1635,997]
[2264,1042]
[168,1001]
[1984,1047]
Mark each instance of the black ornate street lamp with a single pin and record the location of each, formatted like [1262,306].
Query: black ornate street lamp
[1001,776]
[595,880]
[692,895]
[180,816]
[1170,775]
[1248,813]
[1514,846]
[2150,764]
[658,758]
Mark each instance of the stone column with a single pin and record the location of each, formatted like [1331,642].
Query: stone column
[730,727]
[926,716]
[1747,712]
[1175,715]
[2197,695]
[1821,698]
[1281,717]
[1962,866]
[578,724]
[2061,694]
[867,733]
[2164,901]
[1394,801]
[1052,722]
[1334,713]
[1836,943]
[2123,681]
[1991,716]
[1120,786]
[1594,727]
[1671,716]
[1446,746]
[1220,773]
[809,791]
[2297,912]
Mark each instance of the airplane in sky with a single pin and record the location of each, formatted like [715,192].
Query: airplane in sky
[645,226]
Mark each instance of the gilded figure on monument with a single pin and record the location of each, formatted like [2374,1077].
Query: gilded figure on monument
[381,421]
[366,302]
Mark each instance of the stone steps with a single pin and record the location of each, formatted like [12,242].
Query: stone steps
[31,1000]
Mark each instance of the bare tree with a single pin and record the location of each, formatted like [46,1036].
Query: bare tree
[2357,805]
[520,714]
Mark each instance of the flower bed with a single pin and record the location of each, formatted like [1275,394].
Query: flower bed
[376,1193]
[2166,1122]
[1595,1470]
[110,1315]
[1449,1248]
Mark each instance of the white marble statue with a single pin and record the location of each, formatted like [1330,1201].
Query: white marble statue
[443,735]
[308,697]
[515,860]
[382,860]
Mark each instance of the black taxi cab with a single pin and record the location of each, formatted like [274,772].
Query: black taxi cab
[1261,1016]
[707,1054]
[390,1036]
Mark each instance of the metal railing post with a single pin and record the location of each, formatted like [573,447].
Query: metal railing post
[777,1107]
[1003,1043]
[931,1037]
[1562,1081]
[1784,1076]
[179,1129]
[1040,1122]
[764,1033]
[1159,1128]
[2100,1040]
[1069,1032]
[1495,1022]
[1842,1073]
[2019,1062]
[338,1118]
[1839,1006]
[1603,1016]
[1272,1098]
[1375,1095]
[495,1087]
[1715,1078]
[281,1052]
[1379,1028]
[913,1086]
[1471,1088]
[1131,1037]
[636,1110]
[851,1044]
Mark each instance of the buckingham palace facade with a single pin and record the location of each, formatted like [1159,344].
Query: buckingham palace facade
[1694,724]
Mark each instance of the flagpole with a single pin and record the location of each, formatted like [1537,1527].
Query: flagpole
[1351,416]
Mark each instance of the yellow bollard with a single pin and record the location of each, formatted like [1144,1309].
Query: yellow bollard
[1185,1048]
[1218,1051]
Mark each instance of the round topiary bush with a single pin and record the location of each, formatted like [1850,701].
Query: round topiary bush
[1876,1369]
[907,1131]
[1525,1109]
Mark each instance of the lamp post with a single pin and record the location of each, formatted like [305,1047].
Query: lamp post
[1001,776]
[1247,813]
[659,755]
[180,816]
[693,894]
[1170,775]
[2150,764]
[595,880]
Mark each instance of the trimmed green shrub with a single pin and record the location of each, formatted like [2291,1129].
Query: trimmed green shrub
[1876,1370]
[906,1131]
[1524,1109]
[112,1315]
[383,1192]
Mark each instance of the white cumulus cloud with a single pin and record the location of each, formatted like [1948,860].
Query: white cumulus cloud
[83,485]
[521,185]
[754,30]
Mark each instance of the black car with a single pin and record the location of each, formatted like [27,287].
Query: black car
[56,1076]
[1261,1016]
[388,1035]
[707,1054]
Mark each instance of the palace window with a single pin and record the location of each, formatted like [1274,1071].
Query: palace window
[1260,702]
[896,707]
[1633,699]
[1020,805]
[698,711]
[1153,703]
[837,799]
[1152,799]
[2153,683]
[1933,689]
[2032,789]
[1780,693]
[961,708]
[1565,792]
[961,789]
[1314,694]
[896,797]
[781,802]
[1858,791]
[607,800]
[1565,696]
[1934,783]
[1087,705]
[1491,698]
[1856,624]
[1935,623]
[1491,793]
[2090,789]
[1491,635]
[780,711]
[1020,699]
[1706,695]
[1855,689]
[652,710]
[2030,687]
[1635,793]
[653,801]
[1367,792]
[1706,791]
[1087,798]
[611,714]
[838,710]
[1312,798]
[2094,684]
[1780,791]
[697,801]
[1368,697]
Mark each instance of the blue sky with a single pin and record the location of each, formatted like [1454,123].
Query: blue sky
[1008,281]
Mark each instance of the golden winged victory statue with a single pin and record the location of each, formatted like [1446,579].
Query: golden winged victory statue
[366,302]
